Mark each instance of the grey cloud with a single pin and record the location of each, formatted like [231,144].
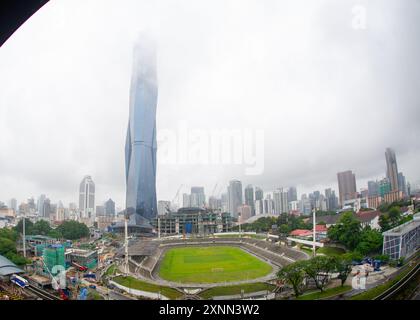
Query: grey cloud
[329,97]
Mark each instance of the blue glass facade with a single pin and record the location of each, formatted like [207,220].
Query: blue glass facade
[140,149]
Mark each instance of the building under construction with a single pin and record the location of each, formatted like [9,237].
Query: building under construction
[85,258]
[195,221]
[53,257]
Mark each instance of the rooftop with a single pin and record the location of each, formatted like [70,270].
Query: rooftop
[366,216]
[403,229]
[7,267]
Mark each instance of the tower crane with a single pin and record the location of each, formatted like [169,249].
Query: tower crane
[177,195]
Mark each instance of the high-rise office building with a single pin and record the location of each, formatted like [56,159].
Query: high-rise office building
[140,148]
[215,203]
[100,211]
[259,207]
[40,205]
[245,212]
[186,200]
[331,199]
[249,198]
[373,188]
[268,207]
[259,200]
[346,186]
[13,204]
[259,194]
[384,187]
[402,184]
[305,205]
[280,198]
[31,205]
[87,197]
[198,198]
[391,168]
[225,202]
[110,208]
[48,209]
[292,194]
[234,197]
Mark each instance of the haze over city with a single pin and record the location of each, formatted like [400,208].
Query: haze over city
[328,96]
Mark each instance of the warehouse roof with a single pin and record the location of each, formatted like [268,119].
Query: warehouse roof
[7,267]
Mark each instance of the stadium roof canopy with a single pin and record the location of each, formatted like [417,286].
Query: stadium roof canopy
[7,267]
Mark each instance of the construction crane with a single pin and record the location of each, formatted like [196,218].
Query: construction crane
[214,189]
[177,195]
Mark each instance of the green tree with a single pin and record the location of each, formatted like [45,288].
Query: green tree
[41,227]
[384,222]
[6,246]
[284,228]
[8,249]
[370,241]
[10,234]
[73,230]
[293,274]
[28,226]
[347,231]
[54,233]
[394,215]
[319,269]
[343,267]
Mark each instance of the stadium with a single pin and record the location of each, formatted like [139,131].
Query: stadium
[195,267]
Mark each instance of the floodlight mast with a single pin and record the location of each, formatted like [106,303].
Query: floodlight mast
[126,243]
[24,234]
[314,232]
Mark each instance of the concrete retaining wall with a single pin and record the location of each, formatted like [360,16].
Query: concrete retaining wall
[141,293]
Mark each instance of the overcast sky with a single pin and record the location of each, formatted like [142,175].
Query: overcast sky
[330,83]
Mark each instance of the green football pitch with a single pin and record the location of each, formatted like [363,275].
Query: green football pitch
[211,264]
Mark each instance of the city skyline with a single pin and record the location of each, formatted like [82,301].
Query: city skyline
[310,114]
[199,198]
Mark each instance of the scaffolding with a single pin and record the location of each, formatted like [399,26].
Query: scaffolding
[53,255]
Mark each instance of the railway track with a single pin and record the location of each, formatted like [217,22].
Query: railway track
[400,285]
[40,293]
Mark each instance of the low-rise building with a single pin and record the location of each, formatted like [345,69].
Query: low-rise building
[404,240]
[369,218]
[85,258]
[320,233]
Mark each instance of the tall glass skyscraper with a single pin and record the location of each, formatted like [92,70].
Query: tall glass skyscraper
[140,148]
[87,197]
[391,168]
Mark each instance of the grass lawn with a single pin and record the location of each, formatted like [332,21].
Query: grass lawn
[134,283]
[307,250]
[93,295]
[231,290]
[376,291]
[331,251]
[211,264]
[325,294]
[111,270]
[328,251]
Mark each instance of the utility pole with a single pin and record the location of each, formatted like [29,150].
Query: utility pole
[24,235]
[314,233]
